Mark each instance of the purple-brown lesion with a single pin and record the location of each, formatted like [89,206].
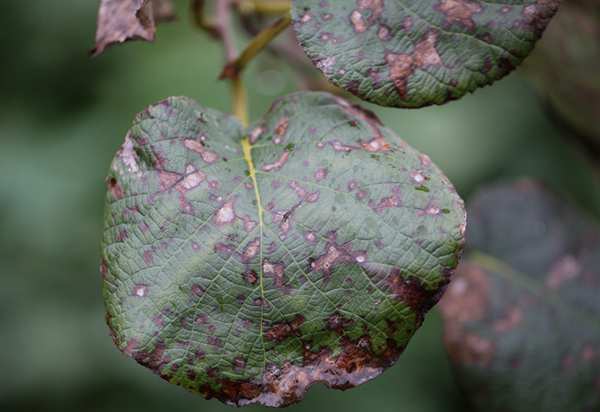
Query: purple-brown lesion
[285,384]
[459,12]
[366,14]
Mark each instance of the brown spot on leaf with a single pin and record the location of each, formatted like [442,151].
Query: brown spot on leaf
[115,188]
[401,66]
[459,11]
[366,14]
[198,146]
[278,164]
[282,386]
[225,214]
[412,292]
[465,301]
[251,250]
[280,130]
[276,271]
[564,270]
[282,331]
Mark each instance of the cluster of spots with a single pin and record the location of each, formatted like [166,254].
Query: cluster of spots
[191,179]
[276,271]
[251,250]
[459,12]
[402,66]
[377,143]
[373,47]
[281,331]
[155,359]
[466,301]
[336,254]
[204,322]
[303,194]
[286,384]
[537,15]
[284,218]
[387,202]
[366,14]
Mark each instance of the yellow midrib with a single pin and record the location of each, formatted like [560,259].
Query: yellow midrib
[247,152]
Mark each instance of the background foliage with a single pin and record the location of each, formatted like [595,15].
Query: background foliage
[63,116]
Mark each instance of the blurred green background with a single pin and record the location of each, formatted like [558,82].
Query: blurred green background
[64,115]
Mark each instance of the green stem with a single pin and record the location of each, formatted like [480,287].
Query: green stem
[234,68]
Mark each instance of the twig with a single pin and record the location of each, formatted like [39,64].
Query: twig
[224,28]
[264,6]
[233,68]
[201,20]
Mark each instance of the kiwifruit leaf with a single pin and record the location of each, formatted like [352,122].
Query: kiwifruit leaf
[564,66]
[412,53]
[247,265]
[522,316]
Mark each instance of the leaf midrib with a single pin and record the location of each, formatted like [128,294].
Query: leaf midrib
[247,152]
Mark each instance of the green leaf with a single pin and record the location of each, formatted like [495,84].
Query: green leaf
[247,269]
[123,20]
[563,66]
[409,53]
[522,317]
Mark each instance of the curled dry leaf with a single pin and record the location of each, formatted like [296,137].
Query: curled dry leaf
[416,53]
[249,269]
[122,20]
[522,316]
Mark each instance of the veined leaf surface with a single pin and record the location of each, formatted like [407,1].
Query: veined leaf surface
[248,265]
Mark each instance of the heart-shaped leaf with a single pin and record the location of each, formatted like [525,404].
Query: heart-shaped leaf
[122,20]
[408,53]
[249,268]
[522,318]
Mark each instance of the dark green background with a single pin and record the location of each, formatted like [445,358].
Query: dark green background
[63,116]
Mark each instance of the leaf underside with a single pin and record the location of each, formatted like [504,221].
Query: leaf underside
[522,316]
[413,53]
[249,268]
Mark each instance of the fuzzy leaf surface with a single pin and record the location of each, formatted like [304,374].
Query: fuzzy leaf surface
[248,265]
[413,53]
[522,316]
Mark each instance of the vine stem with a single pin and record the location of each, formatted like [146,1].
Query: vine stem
[234,63]
[264,6]
[258,43]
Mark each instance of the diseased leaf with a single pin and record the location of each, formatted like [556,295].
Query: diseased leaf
[522,317]
[249,269]
[122,20]
[409,53]
[566,67]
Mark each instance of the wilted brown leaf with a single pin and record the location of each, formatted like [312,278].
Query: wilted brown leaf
[122,20]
